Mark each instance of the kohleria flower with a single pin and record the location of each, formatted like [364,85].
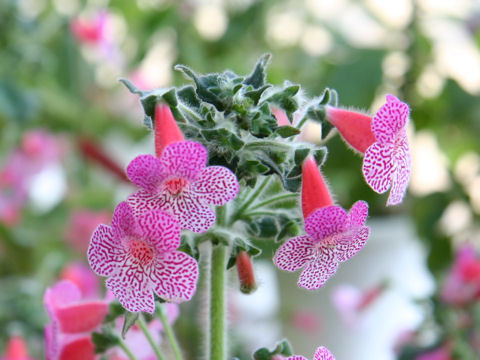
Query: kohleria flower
[16,349]
[67,336]
[180,183]
[81,225]
[139,255]
[82,276]
[322,353]
[333,235]
[383,140]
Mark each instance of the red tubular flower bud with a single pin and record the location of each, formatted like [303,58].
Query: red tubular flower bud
[166,129]
[355,128]
[315,194]
[16,349]
[281,116]
[93,152]
[246,276]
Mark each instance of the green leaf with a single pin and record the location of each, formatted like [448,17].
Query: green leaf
[284,348]
[104,340]
[258,76]
[114,311]
[129,320]
[262,354]
[287,131]
[256,94]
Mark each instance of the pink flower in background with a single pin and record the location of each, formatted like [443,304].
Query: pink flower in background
[462,284]
[305,320]
[82,276]
[16,349]
[333,235]
[350,301]
[442,353]
[67,336]
[322,353]
[81,225]
[180,183]
[383,139]
[89,31]
[139,256]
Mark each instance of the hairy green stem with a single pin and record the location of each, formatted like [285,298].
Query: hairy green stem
[218,344]
[145,330]
[251,198]
[273,200]
[125,348]
[169,332]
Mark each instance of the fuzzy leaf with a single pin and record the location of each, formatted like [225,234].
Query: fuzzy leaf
[258,76]
[129,320]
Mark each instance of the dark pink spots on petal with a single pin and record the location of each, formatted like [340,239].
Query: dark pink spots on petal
[143,201]
[297,357]
[390,119]
[160,230]
[379,166]
[123,222]
[131,286]
[216,185]
[146,172]
[327,221]
[319,270]
[293,255]
[323,353]
[105,253]
[352,242]
[358,213]
[402,174]
[190,212]
[175,276]
[185,159]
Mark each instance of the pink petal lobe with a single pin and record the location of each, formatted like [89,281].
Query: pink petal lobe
[327,221]
[184,159]
[390,119]
[160,230]
[293,255]
[297,357]
[63,293]
[352,243]
[358,213]
[104,254]
[319,270]
[145,171]
[123,222]
[190,213]
[81,317]
[142,201]
[216,185]
[401,177]
[379,166]
[79,349]
[131,286]
[175,276]
[323,353]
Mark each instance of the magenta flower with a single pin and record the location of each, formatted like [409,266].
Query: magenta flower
[383,140]
[333,236]
[16,349]
[81,225]
[73,319]
[180,183]
[82,276]
[139,255]
[322,353]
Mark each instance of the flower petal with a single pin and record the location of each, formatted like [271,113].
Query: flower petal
[63,293]
[216,185]
[401,176]
[319,270]
[184,159]
[175,276]
[297,357]
[123,222]
[189,212]
[352,243]
[293,255]
[160,230]
[146,171]
[105,253]
[327,221]
[390,119]
[81,317]
[142,201]
[358,213]
[323,353]
[81,348]
[379,166]
[131,286]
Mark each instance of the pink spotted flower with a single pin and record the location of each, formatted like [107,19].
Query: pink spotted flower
[333,235]
[322,353]
[139,256]
[180,183]
[383,140]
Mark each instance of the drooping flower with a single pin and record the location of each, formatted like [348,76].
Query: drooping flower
[16,349]
[166,129]
[139,255]
[383,140]
[333,235]
[246,275]
[462,284]
[322,353]
[81,225]
[67,336]
[180,183]
[82,276]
